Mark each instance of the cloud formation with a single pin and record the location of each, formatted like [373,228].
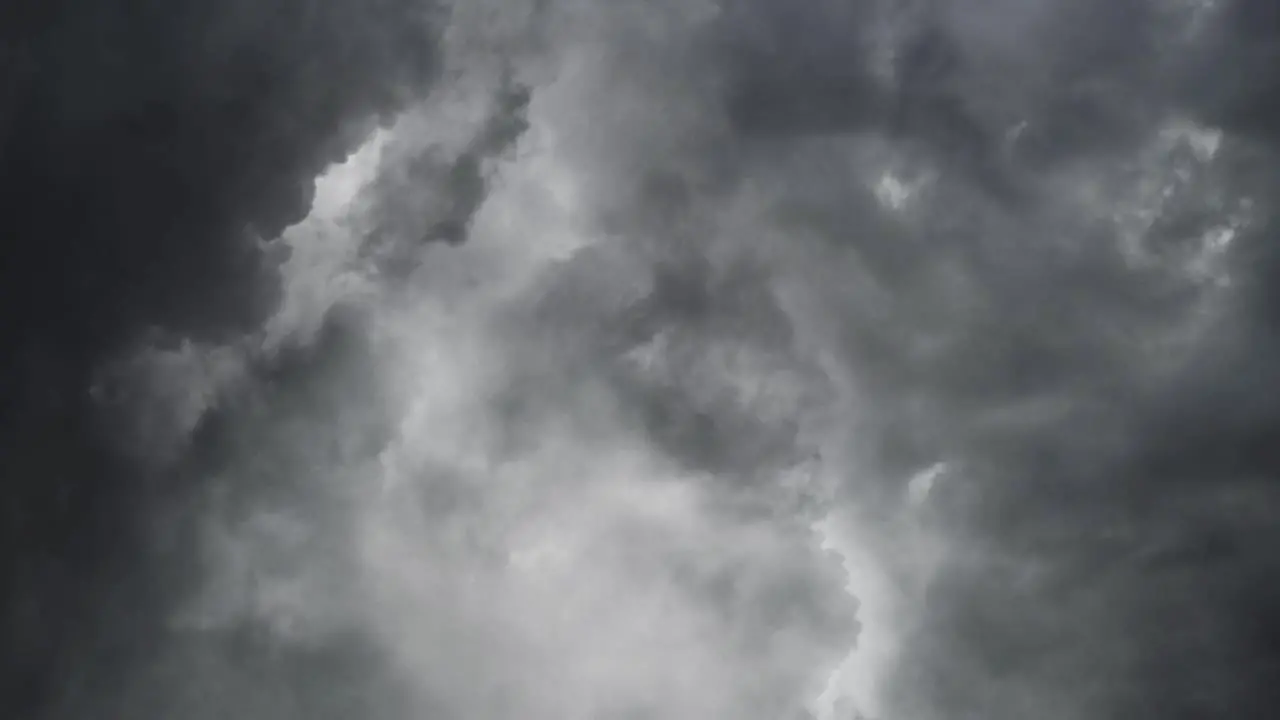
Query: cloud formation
[668,359]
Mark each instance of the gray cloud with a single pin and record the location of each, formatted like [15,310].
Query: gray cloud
[144,146]
[971,299]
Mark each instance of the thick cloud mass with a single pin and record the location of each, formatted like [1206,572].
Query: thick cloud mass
[143,147]
[664,359]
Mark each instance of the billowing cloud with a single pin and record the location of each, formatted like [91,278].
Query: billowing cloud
[666,359]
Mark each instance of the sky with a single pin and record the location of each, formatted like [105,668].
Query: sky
[675,359]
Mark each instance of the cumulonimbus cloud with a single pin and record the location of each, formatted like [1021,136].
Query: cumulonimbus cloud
[739,360]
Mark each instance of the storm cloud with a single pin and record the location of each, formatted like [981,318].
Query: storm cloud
[899,360]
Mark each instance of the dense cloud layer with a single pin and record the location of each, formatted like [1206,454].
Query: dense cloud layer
[666,359]
[143,149]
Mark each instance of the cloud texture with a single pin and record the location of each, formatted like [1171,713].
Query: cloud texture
[897,360]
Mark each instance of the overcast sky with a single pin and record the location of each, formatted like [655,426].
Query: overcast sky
[670,359]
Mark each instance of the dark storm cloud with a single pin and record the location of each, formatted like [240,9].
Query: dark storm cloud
[250,522]
[1099,400]
[431,195]
[1107,418]
[1043,321]
[144,147]
[1231,76]
[994,90]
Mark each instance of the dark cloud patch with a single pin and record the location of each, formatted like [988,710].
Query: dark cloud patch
[1071,444]
[144,148]
[998,92]
[262,510]
[802,70]
[1232,76]
[431,195]
[1102,444]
